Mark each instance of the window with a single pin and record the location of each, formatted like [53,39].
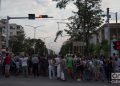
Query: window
[11,27]
[11,33]
[18,26]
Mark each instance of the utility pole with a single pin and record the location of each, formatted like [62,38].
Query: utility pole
[7,33]
[109,37]
[0,31]
[116,17]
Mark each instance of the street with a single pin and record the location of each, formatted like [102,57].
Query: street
[44,81]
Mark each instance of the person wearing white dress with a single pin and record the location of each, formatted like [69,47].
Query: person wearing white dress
[57,63]
[51,70]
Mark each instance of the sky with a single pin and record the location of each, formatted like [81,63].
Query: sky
[48,27]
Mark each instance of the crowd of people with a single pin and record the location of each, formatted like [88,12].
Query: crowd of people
[23,65]
[69,67]
[76,67]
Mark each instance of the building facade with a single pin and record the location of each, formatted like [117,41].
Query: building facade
[13,31]
[107,33]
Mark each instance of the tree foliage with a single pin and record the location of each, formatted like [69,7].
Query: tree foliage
[19,44]
[16,43]
[85,20]
[66,48]
[29,45]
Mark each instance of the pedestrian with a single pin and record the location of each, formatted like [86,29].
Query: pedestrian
[74,66]
[35,62]
[24,62]
[63,68]
[77,66]
[51,67]
[96,63]
[7,65]
[12,66]
[109,68]
[0,64]
[87,71]
[69,64]
[43,65]
[17,62]
[118,62]
[102,71]
[57,63]
[30,65]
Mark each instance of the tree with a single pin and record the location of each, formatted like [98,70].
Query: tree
[105,46]
[66,48]
[29,46]
[17,42]
[51,52]
[40,47]
[85,20]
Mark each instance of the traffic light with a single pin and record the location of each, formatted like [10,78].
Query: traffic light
[31,16]
[43,16]
[116,45]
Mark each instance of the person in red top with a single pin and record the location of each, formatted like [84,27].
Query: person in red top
[7,65]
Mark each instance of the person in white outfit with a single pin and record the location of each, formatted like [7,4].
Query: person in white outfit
[24,65]
[51,68]
[57,63]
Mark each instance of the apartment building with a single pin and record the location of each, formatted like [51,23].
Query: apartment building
[13,31]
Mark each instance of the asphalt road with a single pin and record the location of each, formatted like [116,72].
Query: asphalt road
[44,81]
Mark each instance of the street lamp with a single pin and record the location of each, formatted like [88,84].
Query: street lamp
[61,23]
[51,46]
[34,33]
[44,38]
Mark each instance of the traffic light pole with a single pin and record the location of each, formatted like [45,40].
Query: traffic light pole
[7,34]
[23,17]
[7,26]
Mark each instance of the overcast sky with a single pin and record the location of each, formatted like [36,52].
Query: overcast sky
[48,27]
